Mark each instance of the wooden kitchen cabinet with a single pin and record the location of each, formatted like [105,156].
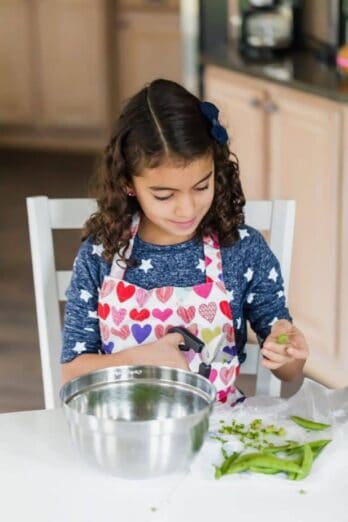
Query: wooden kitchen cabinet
[55,66]
[16,83]
[303,160]
[71,50]
[241,111]
[147,47]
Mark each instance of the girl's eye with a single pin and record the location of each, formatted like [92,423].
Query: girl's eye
[163,198]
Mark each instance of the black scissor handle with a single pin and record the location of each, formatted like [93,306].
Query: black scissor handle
[191,342]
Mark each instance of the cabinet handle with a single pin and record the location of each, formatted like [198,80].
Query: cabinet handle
[255,102]
[270,106]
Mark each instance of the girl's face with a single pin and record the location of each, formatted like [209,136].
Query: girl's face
[174,200]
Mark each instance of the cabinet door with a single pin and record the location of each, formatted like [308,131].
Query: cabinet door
[304,165]
[72,62]
[15,62]
[241,108]
[147,47]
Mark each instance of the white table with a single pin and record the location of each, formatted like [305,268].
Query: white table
[43,479]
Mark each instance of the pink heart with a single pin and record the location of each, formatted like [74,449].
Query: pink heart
[123,332]
[162,315]
[226,374]
[142,296]
[161,331]
[186,314]
[189,356]
[229,332]
[219,265]
[213,375]
[118,315]
[104,330]
[164,293]
[208,311]
[207,261]
[203,290]
[107,288]
[221,285]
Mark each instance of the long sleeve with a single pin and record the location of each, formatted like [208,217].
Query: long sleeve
[265,301]
[81,327]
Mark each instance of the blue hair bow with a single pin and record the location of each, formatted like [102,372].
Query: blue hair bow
[211,113]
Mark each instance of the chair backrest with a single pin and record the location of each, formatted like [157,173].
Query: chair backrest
[46,215]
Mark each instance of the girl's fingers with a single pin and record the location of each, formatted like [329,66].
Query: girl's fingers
[295,353]
[271,365]
[274,356]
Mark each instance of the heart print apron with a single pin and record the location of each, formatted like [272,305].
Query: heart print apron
[130,315]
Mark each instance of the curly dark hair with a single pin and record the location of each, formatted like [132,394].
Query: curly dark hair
[162,122]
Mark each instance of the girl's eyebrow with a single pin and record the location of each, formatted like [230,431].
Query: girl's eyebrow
[177,190]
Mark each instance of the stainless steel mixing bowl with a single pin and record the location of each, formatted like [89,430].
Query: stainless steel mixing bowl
[139,421]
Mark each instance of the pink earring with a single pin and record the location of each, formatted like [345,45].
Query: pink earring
[130,193]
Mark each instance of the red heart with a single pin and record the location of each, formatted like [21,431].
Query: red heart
[161,331]
[186,314]
[123,332]
[139,315]
[226,374]
[103,310]
[164,293]
[225,309]
[124,292]
[229,332]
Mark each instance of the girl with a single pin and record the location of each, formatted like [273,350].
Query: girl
[168,247]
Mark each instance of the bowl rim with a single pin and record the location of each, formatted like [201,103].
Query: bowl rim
[81,383]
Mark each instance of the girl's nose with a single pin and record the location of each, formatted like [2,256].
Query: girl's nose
[185,208]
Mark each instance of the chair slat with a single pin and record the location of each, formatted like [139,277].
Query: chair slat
[70,213]
[63,281]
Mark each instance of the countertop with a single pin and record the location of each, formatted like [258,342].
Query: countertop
[298,70]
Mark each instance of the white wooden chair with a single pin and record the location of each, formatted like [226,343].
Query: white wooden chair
[46,215]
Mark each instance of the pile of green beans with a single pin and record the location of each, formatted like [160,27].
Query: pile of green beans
[292,458]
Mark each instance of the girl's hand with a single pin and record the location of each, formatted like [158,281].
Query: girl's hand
[164,352]
[277,354]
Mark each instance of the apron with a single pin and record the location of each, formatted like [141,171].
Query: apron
[130,315]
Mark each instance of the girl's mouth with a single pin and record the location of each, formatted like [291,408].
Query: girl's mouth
[184,224]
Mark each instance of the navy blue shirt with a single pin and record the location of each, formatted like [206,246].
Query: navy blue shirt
[251,275]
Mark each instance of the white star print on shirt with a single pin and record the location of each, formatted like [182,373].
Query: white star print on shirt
[243,233]
[230,295]
[238,323]
[250,298]
[249,274]
[280,293]
[274,320]
[92,314]
[145,265]
[98,249]
[89,329]
[273,274]
[85,295]
[201,265]
[79,347]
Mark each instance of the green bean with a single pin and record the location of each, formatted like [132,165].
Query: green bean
[315,445]
[309,424]
[307,462]
[282,339]
[261,460]
[219,471]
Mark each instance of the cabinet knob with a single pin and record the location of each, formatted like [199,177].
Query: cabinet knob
[255,102]
[270,106]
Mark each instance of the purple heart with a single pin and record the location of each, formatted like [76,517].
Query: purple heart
[221,277]
[231,350]
[140,333]
[108,347]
